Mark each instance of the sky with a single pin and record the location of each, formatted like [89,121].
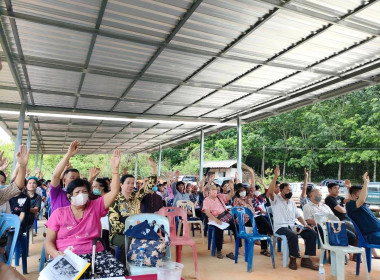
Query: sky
[4,137]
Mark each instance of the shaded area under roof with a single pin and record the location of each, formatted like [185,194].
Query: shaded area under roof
[173,68]
[220,164]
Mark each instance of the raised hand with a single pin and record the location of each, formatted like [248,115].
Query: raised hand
[366,178]
[94,172]
[306,172]
[73,148]
[212,177]
[347,183]
[277,172]
[115,161]
[22,156]
[261,181]
[2,160]
[125,171]
[4,165]
[176,174]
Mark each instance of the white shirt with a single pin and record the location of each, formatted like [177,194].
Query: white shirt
[310,209]
[284,213]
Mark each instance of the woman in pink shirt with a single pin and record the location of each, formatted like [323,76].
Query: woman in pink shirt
[77,225]
[213,206]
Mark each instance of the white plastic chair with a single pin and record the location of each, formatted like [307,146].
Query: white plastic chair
[134,220]
[186,204]
[337,253]
[284,240]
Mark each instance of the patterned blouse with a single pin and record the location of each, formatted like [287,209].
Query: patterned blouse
[245,202]
[121,208]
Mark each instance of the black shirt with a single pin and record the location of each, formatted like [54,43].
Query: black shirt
[334,201]
[21,204]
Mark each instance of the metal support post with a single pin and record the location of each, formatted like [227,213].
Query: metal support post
[239,149]
[201,155]
[20,130]
[37,155]
[136,164]
[30,132]
[159,162]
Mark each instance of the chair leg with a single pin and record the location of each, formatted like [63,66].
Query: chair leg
[237,249]
[279,245]
[42,259]
[195,261]
[368,252]
[35,226]
[340,265]
[250,255]
[17,252]
[25,252]
[178,253]
[333,263]
[272,252]
[285,252]
[321,256]
[358,259]
[203,237]
[365,263]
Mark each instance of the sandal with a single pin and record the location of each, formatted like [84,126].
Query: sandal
[219,254]
[231,256]
[265,253]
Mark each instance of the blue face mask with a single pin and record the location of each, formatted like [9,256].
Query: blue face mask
[154,188]
[96,192]
[3,186]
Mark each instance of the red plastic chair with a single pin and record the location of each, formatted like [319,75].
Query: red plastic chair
[178,241]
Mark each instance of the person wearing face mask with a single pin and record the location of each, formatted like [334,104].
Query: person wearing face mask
[362,216]
[213,206]
[128,203]
[285,215]
[315,206]
[246,198]
[77,225]
[99,188]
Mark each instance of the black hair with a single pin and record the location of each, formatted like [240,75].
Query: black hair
[331,185]
[283,185]
[70,170]
[3,174]
[77,183]
[178,184]
[278,182]
[257,187]
[238,187]
[103,184]
[225,183]
[355,189]
[309,188]
[124,177]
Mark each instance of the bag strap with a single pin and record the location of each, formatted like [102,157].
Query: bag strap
[337,230]
[224,206]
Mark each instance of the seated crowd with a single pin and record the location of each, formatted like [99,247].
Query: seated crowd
[76,209]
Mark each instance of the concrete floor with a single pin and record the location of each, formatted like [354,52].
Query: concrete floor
[211,268]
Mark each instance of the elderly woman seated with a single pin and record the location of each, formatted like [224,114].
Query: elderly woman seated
[77,225]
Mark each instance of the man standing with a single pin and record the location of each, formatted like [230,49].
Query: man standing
[285,214]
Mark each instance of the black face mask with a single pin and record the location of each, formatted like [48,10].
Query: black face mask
[288,195]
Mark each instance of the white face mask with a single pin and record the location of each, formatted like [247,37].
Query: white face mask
[257,193]
[243,194]
[80,199]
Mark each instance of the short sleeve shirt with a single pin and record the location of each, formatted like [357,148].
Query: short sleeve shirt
[215,206]
[21,204]
[310,209]
[78,233]
[284,213]
[334,201]
[363,218]
[58,198]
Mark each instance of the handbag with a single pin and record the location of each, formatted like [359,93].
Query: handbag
[337,233]
[226,216]
[145,236]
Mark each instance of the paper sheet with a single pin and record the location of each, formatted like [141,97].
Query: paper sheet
[222,226]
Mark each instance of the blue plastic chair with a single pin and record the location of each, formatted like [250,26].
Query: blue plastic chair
[22,249]
[10,221]
[211,239]
[249,238]
[362,243]
[134,220]
[284,241]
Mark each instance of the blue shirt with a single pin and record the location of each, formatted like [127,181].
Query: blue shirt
[363,217]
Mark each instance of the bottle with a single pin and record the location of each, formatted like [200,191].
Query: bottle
[140,258]
[321,272]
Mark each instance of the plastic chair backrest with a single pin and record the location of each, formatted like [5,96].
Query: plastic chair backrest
[240,213]
[7,221]
[361,241]
[138,218]
[321,220]
[269,211]
[185,204]
[172,213]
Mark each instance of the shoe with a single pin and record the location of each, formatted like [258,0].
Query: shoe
[293,263]
[307,263]
[219,254]
[231,256]
[265,253]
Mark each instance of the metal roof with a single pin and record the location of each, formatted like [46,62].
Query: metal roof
[148,73]
[220,164]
